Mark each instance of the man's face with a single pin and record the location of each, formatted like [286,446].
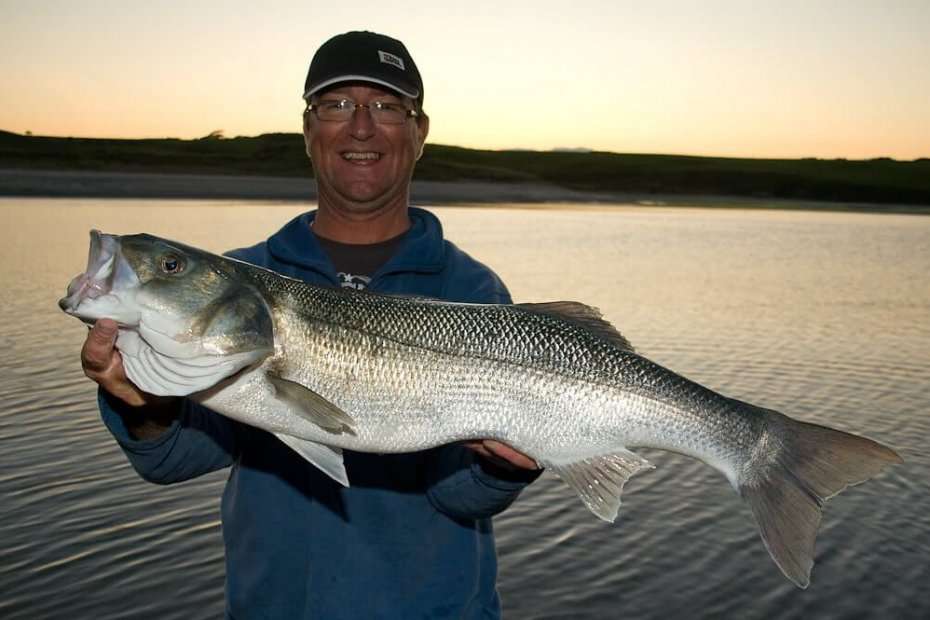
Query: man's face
[362,166]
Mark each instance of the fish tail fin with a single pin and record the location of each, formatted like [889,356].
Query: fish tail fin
[795,468]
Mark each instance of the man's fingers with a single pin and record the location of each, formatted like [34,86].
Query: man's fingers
[104,332]
[478,447]
[103,364]
[97,353]
[503,451]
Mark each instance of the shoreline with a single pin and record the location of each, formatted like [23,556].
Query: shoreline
[40,183]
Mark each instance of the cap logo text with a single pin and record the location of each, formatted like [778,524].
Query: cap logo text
[391,59]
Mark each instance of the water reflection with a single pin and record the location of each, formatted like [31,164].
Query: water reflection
[823,316]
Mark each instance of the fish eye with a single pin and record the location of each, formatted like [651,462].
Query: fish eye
[171,264]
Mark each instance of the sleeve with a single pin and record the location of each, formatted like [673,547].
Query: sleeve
[198,442]
[465,485]
[489,290]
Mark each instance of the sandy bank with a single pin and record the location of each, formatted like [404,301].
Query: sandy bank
[54,183]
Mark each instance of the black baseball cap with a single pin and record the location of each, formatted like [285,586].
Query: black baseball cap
[367,57]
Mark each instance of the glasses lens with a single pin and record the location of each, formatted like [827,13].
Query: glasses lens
[388,113]
[335,109]
[382,112]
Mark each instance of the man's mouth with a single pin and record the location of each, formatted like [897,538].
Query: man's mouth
[361,156]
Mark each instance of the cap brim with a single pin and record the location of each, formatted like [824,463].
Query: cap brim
[409,92]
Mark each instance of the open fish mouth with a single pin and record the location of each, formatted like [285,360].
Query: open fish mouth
[107,274]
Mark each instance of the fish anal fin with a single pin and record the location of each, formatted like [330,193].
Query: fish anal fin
[583,315]
[306,403]
[599,480]
[327,459]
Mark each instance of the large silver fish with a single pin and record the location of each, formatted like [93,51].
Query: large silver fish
[327,369]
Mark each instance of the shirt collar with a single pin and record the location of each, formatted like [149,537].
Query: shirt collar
[422,249]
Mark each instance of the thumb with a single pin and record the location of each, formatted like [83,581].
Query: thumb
[98,347]
[104,331]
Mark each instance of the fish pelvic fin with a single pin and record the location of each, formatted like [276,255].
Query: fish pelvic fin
[306,403]
[599,480]
[326,458]
[795,468]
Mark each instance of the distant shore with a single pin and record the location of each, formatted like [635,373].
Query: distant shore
[90,184]
[275,167]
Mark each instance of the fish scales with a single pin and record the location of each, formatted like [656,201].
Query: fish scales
[572,369]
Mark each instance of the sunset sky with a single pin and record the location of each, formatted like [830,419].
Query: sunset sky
[751,79]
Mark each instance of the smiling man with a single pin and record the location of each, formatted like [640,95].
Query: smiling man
[411,537]
[364,128]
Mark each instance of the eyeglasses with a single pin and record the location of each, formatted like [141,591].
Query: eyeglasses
[341,110]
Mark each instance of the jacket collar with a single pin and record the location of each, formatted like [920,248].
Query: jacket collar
[422,249]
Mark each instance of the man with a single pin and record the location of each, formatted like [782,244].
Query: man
[412,536]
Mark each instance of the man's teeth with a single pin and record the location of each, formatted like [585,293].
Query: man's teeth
[367,155]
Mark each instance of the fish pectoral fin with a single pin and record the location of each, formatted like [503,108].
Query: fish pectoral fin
[583,315]
[599,480]
[307,404]
[327,458]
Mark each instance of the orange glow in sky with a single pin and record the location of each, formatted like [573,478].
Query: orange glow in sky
[749,79]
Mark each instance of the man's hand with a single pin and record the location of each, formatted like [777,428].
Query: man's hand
[501,455]
[103,364]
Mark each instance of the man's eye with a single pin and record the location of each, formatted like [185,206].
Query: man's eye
[388,107]
[332,105]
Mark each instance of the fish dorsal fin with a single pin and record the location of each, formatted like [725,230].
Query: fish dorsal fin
[599,480]
[327,458]
[309,405]
[586,316]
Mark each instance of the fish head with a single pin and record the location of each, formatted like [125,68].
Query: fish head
[178,308]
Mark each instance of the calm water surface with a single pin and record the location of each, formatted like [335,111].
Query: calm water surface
[824,316]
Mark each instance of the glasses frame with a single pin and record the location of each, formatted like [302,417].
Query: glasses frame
[314,107]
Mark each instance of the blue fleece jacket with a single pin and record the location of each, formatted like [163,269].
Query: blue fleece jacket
[410,538]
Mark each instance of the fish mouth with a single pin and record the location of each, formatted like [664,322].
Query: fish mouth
[107,273]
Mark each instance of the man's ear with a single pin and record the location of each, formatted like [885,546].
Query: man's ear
[307,134]
[422,132]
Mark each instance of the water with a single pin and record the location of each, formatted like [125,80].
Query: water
[825,316]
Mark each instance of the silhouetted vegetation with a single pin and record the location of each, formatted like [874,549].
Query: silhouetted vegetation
[881,180]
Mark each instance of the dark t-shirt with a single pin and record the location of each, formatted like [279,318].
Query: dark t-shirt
[356,263]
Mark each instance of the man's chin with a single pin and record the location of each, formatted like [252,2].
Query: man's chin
[364,198]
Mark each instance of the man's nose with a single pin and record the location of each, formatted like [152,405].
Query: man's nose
[362,125]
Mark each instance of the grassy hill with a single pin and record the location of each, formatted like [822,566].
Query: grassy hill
[877,180]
